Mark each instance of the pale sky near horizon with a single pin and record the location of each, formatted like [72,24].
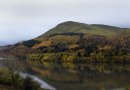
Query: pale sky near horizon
[25,19]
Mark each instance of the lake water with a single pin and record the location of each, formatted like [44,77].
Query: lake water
[77,76]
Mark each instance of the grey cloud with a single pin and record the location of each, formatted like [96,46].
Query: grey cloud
[26,19]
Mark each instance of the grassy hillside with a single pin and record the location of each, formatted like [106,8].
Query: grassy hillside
[76,27]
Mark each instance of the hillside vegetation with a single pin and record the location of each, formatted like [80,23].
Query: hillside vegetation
[73,41]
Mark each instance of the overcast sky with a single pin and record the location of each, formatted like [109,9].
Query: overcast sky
[26,19]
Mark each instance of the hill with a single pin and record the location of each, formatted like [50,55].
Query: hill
[76,27]
[74,41]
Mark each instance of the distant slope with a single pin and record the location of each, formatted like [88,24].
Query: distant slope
[4,47]
[76,27]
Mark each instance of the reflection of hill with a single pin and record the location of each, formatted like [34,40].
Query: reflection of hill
[86,75]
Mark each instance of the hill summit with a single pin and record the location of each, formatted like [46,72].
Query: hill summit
[76,27]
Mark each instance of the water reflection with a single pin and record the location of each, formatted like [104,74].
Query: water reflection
[81,76]
[76,76]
